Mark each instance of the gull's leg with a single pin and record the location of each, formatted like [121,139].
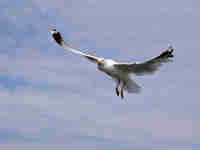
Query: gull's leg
[117,87]
[122,90]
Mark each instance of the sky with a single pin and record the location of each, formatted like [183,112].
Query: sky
[52,99]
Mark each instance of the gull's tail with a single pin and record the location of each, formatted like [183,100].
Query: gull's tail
[132,86]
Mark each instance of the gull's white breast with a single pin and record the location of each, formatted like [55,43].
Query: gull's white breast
[108,68]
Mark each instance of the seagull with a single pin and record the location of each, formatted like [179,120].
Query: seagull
[121,71]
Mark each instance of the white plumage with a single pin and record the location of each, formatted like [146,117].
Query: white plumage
[120,72]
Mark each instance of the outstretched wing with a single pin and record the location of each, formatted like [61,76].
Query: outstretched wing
[58,38]
[147,67]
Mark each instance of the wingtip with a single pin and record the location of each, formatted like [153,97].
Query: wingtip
[170,48]
[56,36]
[170,51]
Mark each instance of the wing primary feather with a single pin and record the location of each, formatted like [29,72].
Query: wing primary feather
[147,67]
[59,40]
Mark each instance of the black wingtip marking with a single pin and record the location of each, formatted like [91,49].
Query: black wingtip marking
[57,37]
[170,51]
[167,53]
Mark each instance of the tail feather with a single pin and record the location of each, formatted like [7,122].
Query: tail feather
[132,86]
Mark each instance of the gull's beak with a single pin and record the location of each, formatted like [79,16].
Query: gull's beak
[98,62]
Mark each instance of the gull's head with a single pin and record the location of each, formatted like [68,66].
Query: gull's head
[105,64]
[100,61]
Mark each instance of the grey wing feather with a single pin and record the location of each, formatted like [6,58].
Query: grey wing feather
[58,38]
[147,67]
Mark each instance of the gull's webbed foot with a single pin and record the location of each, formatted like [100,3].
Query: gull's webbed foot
[122,90]
[117,88]
[122,94]
[117,91]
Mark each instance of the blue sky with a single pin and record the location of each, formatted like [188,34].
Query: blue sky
[52,99]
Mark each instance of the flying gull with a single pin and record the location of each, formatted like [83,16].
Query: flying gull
[121,71]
